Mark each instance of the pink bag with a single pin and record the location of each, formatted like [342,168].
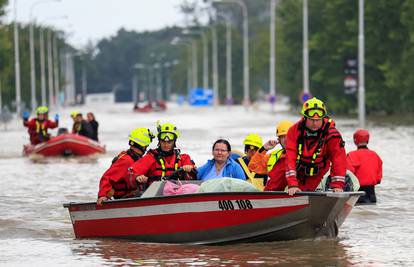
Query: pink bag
[177,188]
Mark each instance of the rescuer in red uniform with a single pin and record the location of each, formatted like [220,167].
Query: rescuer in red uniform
[366,165]
[273,163]
[164,160]
[313,146]
[115,181]
[37,127]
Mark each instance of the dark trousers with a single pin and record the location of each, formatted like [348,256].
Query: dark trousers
[369,195]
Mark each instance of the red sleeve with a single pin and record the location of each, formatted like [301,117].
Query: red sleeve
[114,174]
[336,154]
[291,155]
[52,124]
[186,160]
[30,124]
[141,167]
[258,163]
[379,176]
[277,179]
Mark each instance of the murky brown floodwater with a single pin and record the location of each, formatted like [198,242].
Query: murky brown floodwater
[36,230]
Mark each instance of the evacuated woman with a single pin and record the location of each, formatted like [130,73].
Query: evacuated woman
[222,165]
[92,121]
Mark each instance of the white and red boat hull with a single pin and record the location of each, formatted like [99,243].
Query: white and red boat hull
[212,218]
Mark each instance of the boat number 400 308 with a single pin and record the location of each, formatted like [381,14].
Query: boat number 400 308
[235,204]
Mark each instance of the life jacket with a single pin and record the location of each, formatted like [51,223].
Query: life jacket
[40,133]
[274,158]
[310,165]
[258,180]
[161,170]
[121,188]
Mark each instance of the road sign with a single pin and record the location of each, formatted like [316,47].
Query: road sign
[350,84]
[304,96]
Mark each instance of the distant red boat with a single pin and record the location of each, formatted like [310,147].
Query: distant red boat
[65,145]
[154,106]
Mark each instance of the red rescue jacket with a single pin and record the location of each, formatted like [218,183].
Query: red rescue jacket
[154,165]
[277,176]
[38,130]
[366,165]
[309,157]
[117,177]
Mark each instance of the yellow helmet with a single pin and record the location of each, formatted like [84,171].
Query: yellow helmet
[167,131]
[283,127]
[42,110]
[253,140]
[314,109]
[74,113]
[141,136]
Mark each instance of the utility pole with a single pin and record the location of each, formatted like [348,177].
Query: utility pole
[361,64]
[17,61]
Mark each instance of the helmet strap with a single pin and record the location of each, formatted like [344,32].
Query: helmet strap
[137,146]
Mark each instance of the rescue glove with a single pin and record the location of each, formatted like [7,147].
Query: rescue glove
[57,117]
[25,115]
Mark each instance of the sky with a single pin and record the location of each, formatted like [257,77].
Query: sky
[92,20]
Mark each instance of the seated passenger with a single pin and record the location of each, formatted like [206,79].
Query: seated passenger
[82,126]
[274,162]
[252,143]
[222,165]
[115,181]
[94,124]
[37,127]
[164,160]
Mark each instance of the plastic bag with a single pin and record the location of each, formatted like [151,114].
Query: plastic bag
[177,188]
[226,185]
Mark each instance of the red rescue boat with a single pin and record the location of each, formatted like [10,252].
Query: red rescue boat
[65,145]
[214,218]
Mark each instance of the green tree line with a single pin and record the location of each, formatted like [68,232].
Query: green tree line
[333,36]
[7,67]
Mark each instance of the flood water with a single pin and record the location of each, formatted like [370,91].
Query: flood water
[36,230]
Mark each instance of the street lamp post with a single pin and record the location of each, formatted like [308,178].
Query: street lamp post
[194,63]
[17,60]
[305,49]
[361,64]
[56,69]
[205,57]
[246,81]
[215,67]
[135,81]
[50,68]
[229,95]
[42,67]
[32,56]
[272,59]
[158,81]
[188,44]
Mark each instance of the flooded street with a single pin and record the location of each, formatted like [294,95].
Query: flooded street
[36,230]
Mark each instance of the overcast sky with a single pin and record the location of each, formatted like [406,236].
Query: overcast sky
[94,19]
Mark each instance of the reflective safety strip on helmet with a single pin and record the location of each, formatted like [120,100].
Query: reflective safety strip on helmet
[137,140]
